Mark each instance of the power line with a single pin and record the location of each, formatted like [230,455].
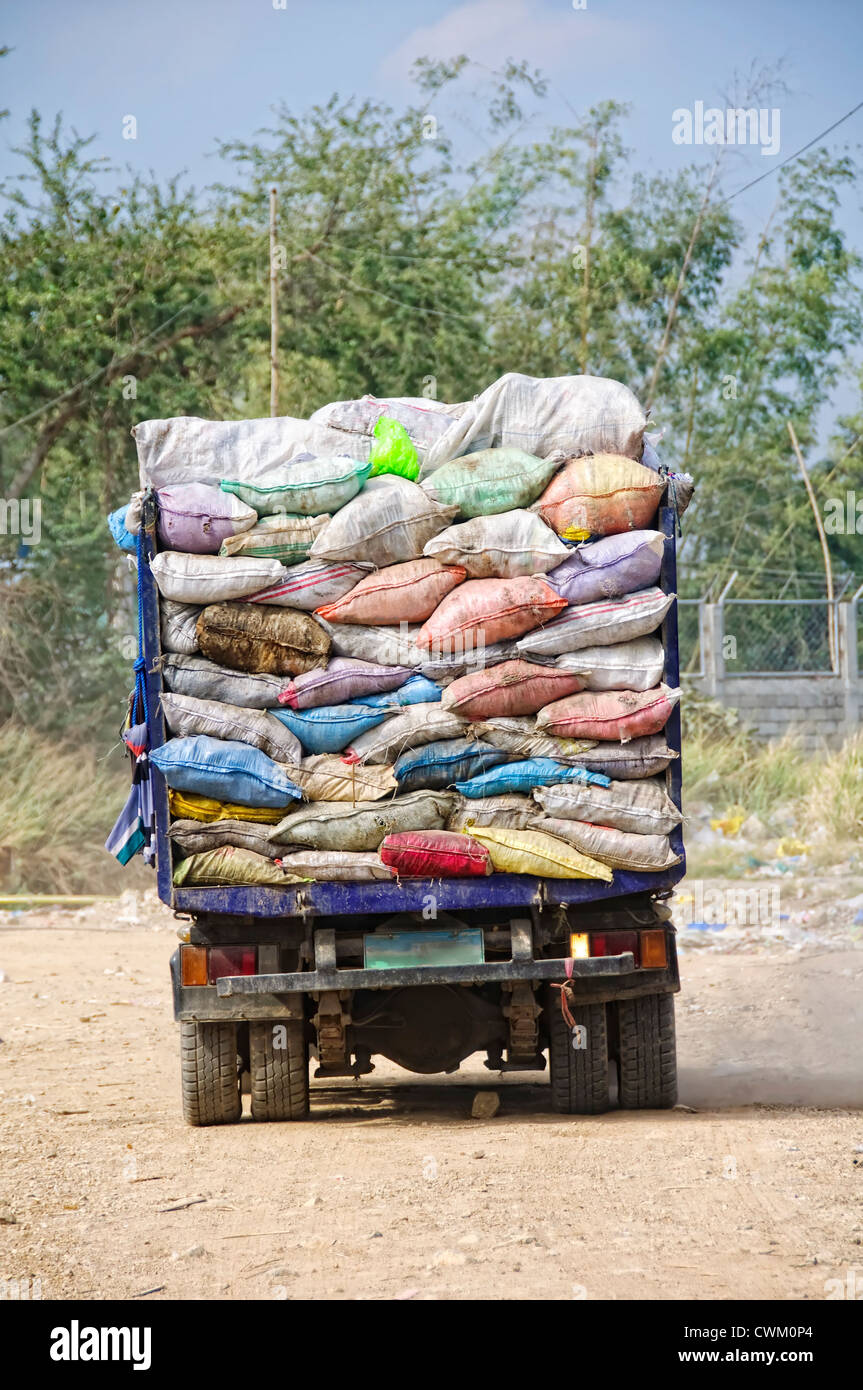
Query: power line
[792,157]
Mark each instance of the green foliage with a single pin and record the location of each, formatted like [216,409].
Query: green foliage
[407,263]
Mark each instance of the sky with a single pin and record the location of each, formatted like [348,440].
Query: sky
[192,71]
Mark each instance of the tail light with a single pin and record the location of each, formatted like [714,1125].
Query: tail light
[654,950]
[204,965]
[193,965]
[231,960]
[614,943]
[649,948]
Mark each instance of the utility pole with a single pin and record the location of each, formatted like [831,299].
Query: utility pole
[274,309]
[828,568]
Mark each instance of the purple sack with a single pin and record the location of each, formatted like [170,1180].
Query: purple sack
[609,568]
[343,679]
[196,518]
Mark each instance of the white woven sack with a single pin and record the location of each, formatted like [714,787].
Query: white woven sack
[178,626]
[640,808]
[187,449]
[336,825]
[415,726]
[578,414]
[195,675]
[387,524]
[635,665]
[211,578]
[599,624]
[506,546]
[190,714]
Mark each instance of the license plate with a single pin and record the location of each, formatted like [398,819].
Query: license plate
[389,950]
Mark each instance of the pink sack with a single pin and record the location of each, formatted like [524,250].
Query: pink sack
[484,611]
[600,495]
[407,593]
[343,679]
[513,687]
[196,518]
[615,715]
[435,854]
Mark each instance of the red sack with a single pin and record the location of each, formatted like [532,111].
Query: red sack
[615,715]
[511,688]
[435,854]
[481,612]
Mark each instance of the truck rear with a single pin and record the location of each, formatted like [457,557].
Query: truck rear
[573,973]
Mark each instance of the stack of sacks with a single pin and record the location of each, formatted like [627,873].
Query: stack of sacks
[368,677]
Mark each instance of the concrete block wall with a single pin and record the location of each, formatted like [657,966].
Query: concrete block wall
[823,710]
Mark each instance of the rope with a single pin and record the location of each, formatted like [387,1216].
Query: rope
[141,702]
[564,1003]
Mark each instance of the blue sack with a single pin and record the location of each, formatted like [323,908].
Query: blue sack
[417,690]
[329,728]
[438,765]
[524,776]
[225,770]
[117,527]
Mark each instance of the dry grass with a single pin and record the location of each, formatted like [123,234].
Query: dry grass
[833,798]
[820,794]
[57,806]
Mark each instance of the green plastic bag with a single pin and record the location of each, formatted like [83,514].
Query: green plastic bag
[392,451]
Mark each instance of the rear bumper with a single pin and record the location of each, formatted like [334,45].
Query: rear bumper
[283,996]
[313,981]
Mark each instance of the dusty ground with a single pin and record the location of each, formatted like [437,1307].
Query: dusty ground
[391,1190]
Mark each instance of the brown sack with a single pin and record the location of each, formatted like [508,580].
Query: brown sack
[275,641]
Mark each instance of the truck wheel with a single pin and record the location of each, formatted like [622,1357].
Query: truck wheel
[647,1058]
[210,1079]
[579,1075]
[280,1074]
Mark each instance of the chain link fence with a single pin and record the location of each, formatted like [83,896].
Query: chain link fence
[768,636]
[797,636]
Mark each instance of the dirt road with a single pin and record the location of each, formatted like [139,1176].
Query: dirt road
[391,1190]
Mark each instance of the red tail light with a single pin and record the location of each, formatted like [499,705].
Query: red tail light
[231,960]
[614,943]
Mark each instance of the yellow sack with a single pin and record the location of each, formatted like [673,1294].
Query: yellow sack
[532,852]
[190,806]
[229,864]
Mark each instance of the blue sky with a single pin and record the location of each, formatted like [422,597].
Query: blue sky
[191,70]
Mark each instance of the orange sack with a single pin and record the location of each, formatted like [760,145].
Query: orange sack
[600,495]
[408,593]
[484,611]
[614,715]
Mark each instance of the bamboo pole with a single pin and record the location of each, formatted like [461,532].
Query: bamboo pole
[274,309]
[828,567]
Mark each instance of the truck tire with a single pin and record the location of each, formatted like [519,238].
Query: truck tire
[647,1057]
[280,1075]
[210,1077]
[579,1076]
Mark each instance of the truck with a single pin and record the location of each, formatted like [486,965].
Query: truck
[425,973]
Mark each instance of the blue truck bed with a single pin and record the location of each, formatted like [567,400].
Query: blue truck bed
[346,899]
